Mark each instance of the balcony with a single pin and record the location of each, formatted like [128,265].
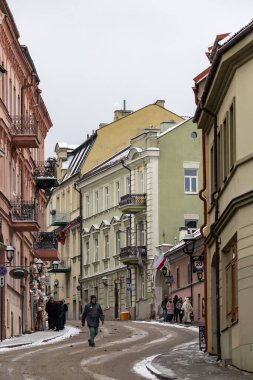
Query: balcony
[132,203]
[46,246]
[24,130]
[63,267]
[59,219]
[24,216]
[45,174]
[133,255]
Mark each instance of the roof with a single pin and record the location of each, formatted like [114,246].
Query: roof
[76,157]
[172,128]
[113,161]
[224,45]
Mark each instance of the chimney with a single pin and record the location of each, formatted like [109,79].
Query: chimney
[182,232]
[160,103]
[101,125]
[118,114]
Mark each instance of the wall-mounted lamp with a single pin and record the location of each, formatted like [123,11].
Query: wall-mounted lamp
[55,265]
[10,250]
[189,246]
[164,271]
[2,70]
[105,280]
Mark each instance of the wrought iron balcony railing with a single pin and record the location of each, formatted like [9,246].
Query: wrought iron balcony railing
[45,240]
[45,168]
[24,211]
[24,125]
[133,253]
[59,218]
[132,202]
[45,174]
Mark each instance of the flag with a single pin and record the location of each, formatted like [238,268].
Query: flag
[63,234]
[159,262]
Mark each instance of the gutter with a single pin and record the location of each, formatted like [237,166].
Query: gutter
[217,245]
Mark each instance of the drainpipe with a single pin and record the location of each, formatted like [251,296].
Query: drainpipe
[129,269]
[81,241]
[217,246]
[130,176]
[203,198]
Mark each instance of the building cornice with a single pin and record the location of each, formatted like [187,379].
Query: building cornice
[233,206]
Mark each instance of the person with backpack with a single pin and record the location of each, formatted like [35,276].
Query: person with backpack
[92,313]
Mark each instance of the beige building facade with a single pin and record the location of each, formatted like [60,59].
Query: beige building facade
[225,116]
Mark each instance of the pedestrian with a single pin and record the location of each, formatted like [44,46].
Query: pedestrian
[39,320]
[188,309]
[65,309]
[170,310]
[179,308]
[61,315]
[175,299]
[50,309]
[93,313]
[164,307]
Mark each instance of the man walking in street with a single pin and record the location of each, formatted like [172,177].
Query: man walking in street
[92,312]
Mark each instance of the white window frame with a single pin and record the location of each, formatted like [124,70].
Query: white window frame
[106,197]
[106,246]
[96,249]
[96,201]
[117,192]
[191,179]
[128,184]
[87,205]
[191,165]
[87,252]
[117,242]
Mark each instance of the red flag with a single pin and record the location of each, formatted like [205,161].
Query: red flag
[63,234]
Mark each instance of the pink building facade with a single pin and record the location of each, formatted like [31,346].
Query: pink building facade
[24,123]
[185,282]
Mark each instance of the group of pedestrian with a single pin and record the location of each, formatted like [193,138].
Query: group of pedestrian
[177,310]
[56,311]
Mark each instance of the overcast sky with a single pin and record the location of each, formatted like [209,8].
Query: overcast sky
[91,55]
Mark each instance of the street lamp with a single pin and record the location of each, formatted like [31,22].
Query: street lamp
[188,249]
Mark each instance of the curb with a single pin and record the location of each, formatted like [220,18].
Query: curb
[158,373]
[30,343]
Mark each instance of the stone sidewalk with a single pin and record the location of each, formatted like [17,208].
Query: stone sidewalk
[189,363]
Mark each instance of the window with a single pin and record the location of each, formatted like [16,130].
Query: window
[74,285]
[117,241]
[106,197]
[191,225]
[106,242]
[96,250]
[96,202]
[232,139]
[74,243]
[212,169]
[225,148]
[231,283]
[128,185]
[128,236]
[141,181]
[178,278]
[117,193]
[141,233]
[87,205]
[190,181]
[87,252]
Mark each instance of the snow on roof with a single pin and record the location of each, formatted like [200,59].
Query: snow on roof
[66,145]
[196,234]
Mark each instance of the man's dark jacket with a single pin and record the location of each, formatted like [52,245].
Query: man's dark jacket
[92,312]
